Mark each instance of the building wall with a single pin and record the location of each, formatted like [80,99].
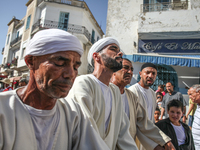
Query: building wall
[7,44]
[122,23]
[125,20]
[30,11]
[51,11]
[174,20]
[77,16]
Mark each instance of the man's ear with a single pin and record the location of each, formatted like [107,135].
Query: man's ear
[140,72]
[96,57]
[29,61]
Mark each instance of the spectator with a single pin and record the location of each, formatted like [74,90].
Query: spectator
[140,125]
[195,97]
[7,86]
[179,132]
[159,98]
[170,96]
[191,111]
[161,89]
[157,114]
[22,82]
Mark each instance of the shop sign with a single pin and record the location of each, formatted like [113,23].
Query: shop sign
[169,46]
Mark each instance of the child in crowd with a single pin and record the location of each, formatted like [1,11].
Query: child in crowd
[179,132]
[159,98]
[157,115]
[161,89]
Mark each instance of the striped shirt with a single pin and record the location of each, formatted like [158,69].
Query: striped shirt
[196,128]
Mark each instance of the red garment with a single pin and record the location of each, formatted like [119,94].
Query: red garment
[163,93]
[8,89]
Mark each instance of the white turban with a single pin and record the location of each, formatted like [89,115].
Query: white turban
[51,41]
[99,45]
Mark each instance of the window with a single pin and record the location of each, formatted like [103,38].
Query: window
[4,60]
[8,38]
[28,22]
[63,21]
[13,55]
[17,34]
[93,35]
[23,52]
[97,38]
[156,5]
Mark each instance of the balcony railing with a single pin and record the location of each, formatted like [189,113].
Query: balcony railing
[72,28]
[165,6]
[67,2]
[16,40]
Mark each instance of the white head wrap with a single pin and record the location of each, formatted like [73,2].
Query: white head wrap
[99,45]
[51,41]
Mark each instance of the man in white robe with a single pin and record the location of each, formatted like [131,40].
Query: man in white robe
[140,125]
[100,99]
[36,117]
[146,96]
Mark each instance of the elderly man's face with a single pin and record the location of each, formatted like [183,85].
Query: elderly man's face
[112,57]
[125,74]
[148,76]
[55,73]
[194,96]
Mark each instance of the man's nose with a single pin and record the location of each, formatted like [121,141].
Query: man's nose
[120,54]
[69,72]
[151,74]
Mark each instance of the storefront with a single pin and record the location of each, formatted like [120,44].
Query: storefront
[178,61]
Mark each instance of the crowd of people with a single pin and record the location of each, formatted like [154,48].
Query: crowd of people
[56,109]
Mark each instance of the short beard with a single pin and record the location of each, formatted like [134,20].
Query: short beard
[112,64]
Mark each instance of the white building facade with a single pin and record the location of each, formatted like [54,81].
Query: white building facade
[163,32]
[73,16]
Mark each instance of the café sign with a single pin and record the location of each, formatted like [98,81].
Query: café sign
[170,46]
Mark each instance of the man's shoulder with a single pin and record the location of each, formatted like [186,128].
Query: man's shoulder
[130,94]
[132,87]
[162,122]
[84,79]
[7,94]
[70,104]
[179,93]
[129,91]
[114,88]
[152,90]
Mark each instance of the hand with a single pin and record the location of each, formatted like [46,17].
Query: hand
[184,119]
[158,147]
[169,146]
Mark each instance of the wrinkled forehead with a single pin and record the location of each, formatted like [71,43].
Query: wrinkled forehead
[126,62]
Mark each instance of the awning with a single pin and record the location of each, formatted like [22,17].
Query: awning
[187,61]
[14,79]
